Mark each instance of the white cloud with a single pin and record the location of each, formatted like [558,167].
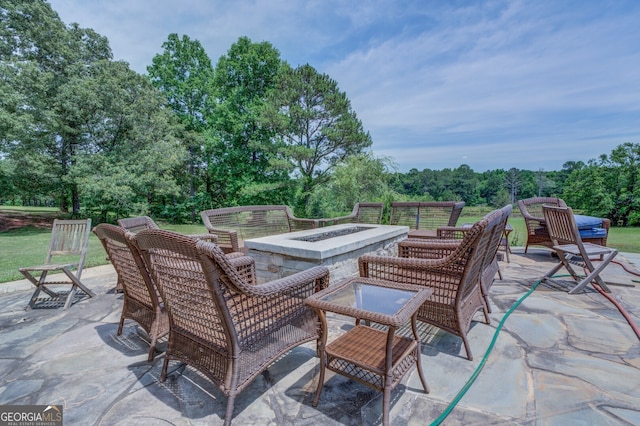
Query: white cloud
[523,83]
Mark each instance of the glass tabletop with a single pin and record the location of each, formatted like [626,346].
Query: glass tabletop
[370,297]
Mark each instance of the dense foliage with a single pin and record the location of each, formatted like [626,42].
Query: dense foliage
[88,134]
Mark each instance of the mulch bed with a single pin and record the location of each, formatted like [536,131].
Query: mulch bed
[12,220]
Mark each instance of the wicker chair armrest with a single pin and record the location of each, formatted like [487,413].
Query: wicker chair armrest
[318,276]
[235,254]
[244,265]
[452,232]
[525,213]
[226,237]
[427,249]
[301,224]
[369,264]
[442,275]
[205,237]
[350,218]
[432,243]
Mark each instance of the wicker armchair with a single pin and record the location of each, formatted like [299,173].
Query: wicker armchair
[221,325]
[362,213]
[142,302]
[428,249]
[138,223]
[531,209]
[454,276]
[424,217]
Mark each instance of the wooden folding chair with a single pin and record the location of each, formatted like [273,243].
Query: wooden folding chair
[570,248]
[68,247]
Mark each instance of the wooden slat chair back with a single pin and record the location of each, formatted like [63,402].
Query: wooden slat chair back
[453,269]
[225,327]
[67,253]
[142,302]
[571,249]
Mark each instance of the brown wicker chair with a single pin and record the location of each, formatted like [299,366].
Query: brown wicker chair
[137,224]
[424,217]
[571,249]
[221,325]
[531,209]
[426,249]
[142,302]
[362,213]
[454,277]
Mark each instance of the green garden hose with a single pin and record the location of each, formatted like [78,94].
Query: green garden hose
[475,374]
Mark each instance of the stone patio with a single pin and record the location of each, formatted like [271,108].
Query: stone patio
[558,359]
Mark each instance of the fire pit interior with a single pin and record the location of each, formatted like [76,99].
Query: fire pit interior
[332,234]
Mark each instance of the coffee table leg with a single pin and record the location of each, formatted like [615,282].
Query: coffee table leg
[388,380]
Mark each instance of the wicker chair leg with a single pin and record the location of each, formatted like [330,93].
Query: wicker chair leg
[231,399]
[155,330]
[467,347]
[119,332]
[165,367]
[152,351]
[487,305]
[316,398]
[414,328]
[485,311]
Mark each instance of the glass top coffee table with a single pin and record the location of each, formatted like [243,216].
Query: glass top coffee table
[371,356]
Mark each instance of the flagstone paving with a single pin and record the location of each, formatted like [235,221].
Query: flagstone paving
[558,359]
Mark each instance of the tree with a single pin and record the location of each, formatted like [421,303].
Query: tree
[245,168]
[132,158]
[45,62]
[585,191]
[513,182]
[183,72]
[465,185]
[314,121]
[360,178]
[78,124]
[621,172]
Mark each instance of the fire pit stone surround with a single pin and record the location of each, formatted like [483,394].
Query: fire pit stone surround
[337,247]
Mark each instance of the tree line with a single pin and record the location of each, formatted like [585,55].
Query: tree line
[86,133]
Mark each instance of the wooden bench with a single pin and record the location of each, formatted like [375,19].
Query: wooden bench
[233,225]
[424,217]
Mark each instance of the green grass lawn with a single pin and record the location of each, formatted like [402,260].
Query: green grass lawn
[28,246]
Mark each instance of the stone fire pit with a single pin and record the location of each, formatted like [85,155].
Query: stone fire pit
[337,247]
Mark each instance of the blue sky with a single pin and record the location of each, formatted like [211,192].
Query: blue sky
[492,84]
